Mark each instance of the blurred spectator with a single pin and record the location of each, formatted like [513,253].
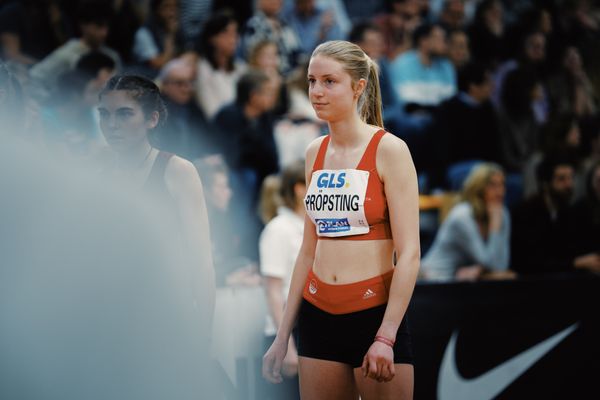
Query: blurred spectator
[123,27]
[159,40]
[590,138]
[12,103]
[246,132]
[532,56]
[192,16]
[267,24]
[518,126]
[570,88]
[586,222]
[229,240]
[218,70]
[313,24]
[31,29]
[300,126]
[474,239]
[465,126]
[540,236]
[264,56]
[486,32]
[93,17]
[398,26]
[186,132]
[279,246]
[70,116]
[358,9]
[452,16]
[560,135]
[423,77]
[369,37]
[300,106]
[458,48]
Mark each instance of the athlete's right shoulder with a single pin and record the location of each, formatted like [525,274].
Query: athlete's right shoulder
[311,154]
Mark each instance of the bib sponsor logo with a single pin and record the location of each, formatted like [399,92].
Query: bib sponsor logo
[331,180]
[333,225]
[312,286]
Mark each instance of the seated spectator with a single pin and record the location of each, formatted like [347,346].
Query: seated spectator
[31,29]
[93,17]
[266,24]
[423,77]
[541,240]
[264,56]
[473,241]
[159,40]
[246,133]
[229,240]
[398,26]
[300,126]
[531,56]
[517,123]
[570,89]
[279,246]
[186,131]
[218,69]
[71,117]
[452,15]
[486,33]
[586,223]
[313,24]
[464,126]
[193,14]
[123,26]
[369,37]
[458,49]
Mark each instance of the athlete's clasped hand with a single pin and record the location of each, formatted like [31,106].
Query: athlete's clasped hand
[378,363]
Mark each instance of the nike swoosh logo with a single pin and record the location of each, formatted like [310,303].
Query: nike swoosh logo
[488,385]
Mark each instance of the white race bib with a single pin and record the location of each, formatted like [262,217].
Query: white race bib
[335,202]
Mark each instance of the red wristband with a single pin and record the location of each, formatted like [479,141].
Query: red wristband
[385,340]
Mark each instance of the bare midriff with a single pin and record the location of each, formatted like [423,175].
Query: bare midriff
[342,261]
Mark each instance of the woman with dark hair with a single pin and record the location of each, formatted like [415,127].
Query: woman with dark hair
[159,40]
[218,70]
[517,123]
[486,32]
[130,107]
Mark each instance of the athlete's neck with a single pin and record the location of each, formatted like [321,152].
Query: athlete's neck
[348,132]
[136,157]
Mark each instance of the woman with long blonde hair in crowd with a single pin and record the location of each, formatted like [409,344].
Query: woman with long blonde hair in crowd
[474,240]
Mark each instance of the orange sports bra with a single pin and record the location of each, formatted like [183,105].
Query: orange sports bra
[348,204]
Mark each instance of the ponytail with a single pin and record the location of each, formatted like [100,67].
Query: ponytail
[370,101]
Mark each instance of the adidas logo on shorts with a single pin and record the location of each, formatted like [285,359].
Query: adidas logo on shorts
[368,294]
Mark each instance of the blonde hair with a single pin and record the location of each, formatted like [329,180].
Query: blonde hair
[474,188]
[359,66]
[270,198]
[257,49]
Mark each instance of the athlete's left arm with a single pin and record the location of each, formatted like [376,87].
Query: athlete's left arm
[397,171]
[185,187]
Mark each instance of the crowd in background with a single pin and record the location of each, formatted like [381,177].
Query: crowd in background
[497,100]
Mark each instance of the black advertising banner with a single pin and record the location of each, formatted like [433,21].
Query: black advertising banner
[523,339]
